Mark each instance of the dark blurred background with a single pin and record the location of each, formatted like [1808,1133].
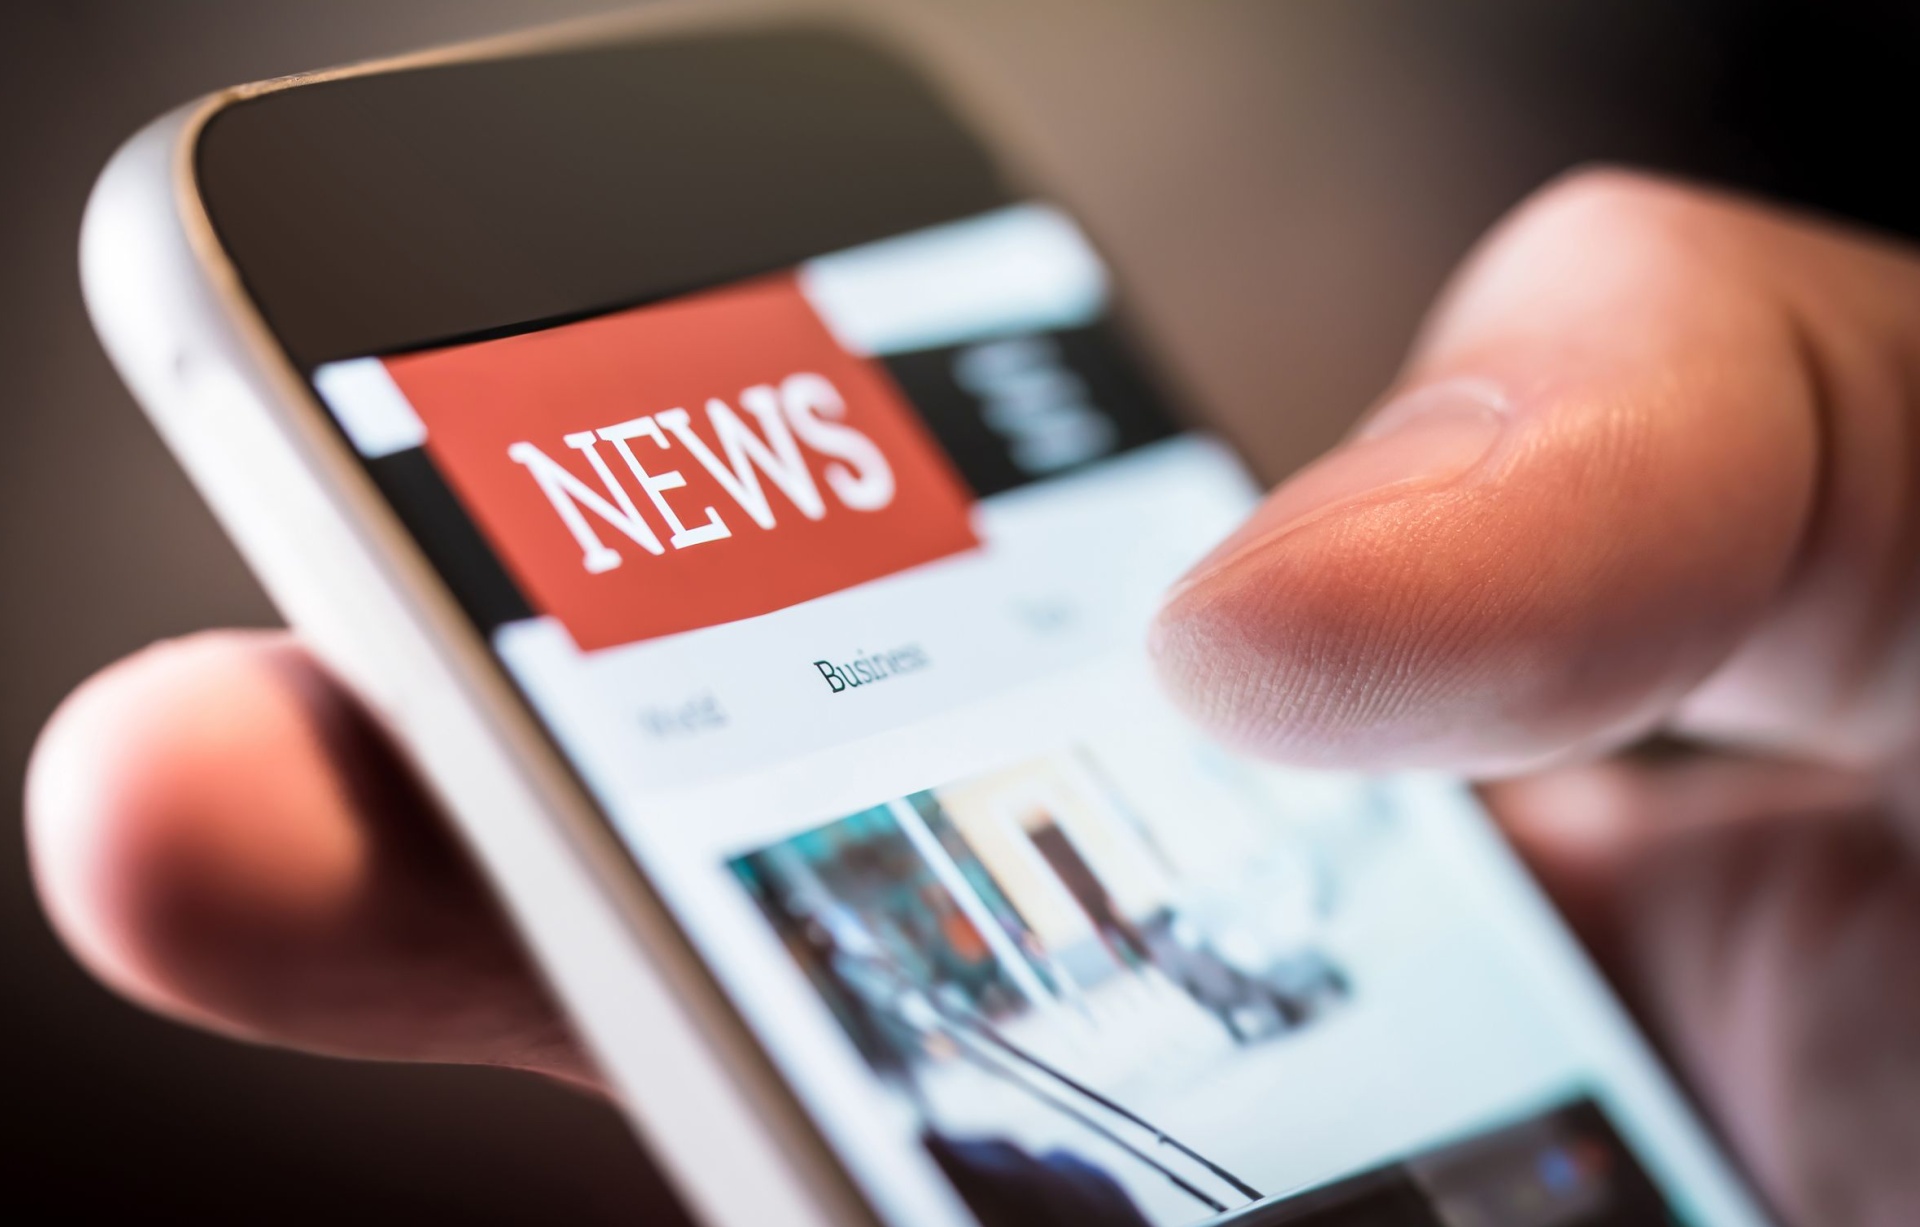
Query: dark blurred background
[1283,185]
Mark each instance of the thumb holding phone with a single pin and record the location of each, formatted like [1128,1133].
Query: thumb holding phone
[1652,469]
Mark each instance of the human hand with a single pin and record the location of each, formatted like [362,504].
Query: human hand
[1651,468]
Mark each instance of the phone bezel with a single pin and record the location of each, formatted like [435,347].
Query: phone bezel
[379,212]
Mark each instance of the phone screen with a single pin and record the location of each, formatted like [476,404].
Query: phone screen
[834,583]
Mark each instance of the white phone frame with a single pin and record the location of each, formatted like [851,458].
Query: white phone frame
[169,307]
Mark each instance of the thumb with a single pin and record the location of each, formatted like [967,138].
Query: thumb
[1652,463]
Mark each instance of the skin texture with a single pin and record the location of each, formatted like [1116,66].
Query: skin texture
[1651,469]
[223,835]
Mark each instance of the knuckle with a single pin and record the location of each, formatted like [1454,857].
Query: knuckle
[1603,245]
[1608,208]
[1608,203]
[1612,190]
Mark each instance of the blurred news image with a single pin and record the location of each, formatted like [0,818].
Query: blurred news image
[1092,971]
[1038,898]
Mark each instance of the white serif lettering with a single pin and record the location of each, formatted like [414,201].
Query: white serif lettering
[804,412]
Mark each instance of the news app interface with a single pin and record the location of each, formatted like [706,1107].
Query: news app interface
[834,584]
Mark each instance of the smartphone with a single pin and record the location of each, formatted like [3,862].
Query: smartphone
[737,492]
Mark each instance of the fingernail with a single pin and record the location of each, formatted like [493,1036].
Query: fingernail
[1429,437]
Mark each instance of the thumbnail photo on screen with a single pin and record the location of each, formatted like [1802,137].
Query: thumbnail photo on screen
[1075,992]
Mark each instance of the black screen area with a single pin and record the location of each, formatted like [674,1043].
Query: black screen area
[379,213]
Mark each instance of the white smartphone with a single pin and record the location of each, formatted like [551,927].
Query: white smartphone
[736,492]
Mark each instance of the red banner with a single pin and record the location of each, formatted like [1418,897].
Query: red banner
[675,466]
